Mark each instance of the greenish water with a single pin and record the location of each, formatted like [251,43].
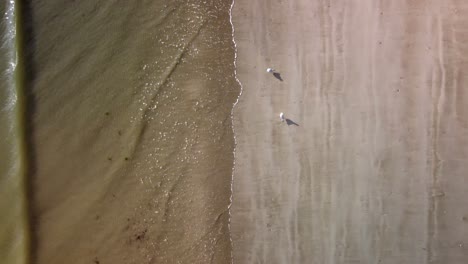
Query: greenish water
[129,124]
[14,235]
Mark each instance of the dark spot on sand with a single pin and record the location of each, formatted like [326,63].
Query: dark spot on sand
[140,236]
[109,158]
[126,158]
[97,217]
[96,261]
[119,132]
[107,113]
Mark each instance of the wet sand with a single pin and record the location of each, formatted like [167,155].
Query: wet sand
[375,171]
[132,139]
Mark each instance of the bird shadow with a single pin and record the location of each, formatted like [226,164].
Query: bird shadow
[277,76]
[290,122]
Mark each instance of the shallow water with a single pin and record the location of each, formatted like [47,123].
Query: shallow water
[131,130]
[13,223]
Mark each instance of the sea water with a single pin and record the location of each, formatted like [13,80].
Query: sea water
[130,143]
[14,236]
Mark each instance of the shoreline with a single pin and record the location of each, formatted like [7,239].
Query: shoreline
[232,125]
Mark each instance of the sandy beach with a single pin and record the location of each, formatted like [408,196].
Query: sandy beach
[120,116]
[375,169]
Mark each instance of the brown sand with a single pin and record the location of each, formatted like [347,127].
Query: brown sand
[376,170]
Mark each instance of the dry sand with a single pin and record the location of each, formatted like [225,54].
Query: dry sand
[376,171]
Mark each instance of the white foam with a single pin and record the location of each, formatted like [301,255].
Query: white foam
[8,48]
[232,121]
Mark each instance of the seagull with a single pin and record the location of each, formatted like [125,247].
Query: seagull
[270,70]
[282,116]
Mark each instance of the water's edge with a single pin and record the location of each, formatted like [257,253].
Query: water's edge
[233,125]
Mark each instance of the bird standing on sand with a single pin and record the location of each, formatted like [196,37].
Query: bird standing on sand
[275,73]
[282,116]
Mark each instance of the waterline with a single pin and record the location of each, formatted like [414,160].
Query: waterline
[233,127]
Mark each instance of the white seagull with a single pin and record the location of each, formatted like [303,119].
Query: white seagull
[282,116]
